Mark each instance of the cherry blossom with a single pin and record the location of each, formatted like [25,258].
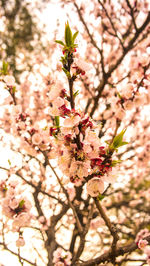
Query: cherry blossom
[61,257]
[95,186]
[10,80]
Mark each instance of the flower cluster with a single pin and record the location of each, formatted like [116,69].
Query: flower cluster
[80,152]
[61,257]
[142,234]
[74,141]
[72,138]
[16,207]
[143,243]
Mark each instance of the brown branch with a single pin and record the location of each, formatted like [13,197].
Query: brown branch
[91,37]
[70,203]
[14,11]
[34,186]
[19,257]
[72,103]
[51,243]
[121,250]
[112,229]
[82,237]
[112,24]
[132,14]
[36,201]
[101,86]
[16,254]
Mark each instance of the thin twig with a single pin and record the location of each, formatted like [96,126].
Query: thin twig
[67,196]
[112,229]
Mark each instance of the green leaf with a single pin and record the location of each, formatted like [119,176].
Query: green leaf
[13,89]
[21,203]
[57,121]
[119,95]
[123,143]
[100,197]
[74,45]
[68,35]
[60,42]
[115,162]
[4,70]
[67,73]
[117,141]
[63,60]
[107,141]
[76,93]
[44,128]
[9,162]
[74,36]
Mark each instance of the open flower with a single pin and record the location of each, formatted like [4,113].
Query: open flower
[72,121]
[36,139]
[10,80]
[81,64]
[95,186]
[142,243]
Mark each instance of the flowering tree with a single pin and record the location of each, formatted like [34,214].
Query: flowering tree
[67,149]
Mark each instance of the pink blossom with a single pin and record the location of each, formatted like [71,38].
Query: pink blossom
[95,186]
[111,175]
[142,243]
[147,252]
[142,234]
[144,60]
[54,111]
[13,183]
[120,113]
[36,139]
[64,110]
[139,99]
[71,192]
[72,121]
[54,92]
[28,148]
[21,125]
[82,64]
[92,138]
[87,148]
[13,203]
[61,257]
[20,242]
[58,102]
[6,210]
[128,90]
[97,222]
[16,110]
[128,105]
[10,80]
[79,168]
[43,221]
[22,219]
[3,187]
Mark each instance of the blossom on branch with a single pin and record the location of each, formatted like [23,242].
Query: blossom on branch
[95,186]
